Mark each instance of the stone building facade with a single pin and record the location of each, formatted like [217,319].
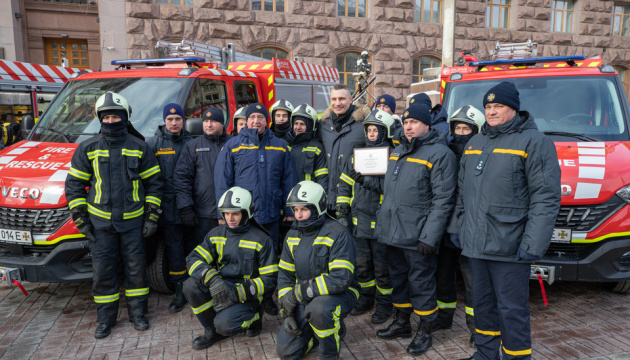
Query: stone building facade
[312,30]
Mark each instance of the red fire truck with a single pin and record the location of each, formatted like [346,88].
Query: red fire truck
[38,239]
[580,103]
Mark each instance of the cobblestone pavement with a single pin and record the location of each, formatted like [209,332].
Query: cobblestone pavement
[56,321]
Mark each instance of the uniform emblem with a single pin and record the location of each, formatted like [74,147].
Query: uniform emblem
[382,100]
[406,113]
[258,107]
[490,97]
[173,111]
[412,100]
[208,114]
[470,147]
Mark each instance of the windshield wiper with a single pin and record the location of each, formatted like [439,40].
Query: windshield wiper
[65,138]
[570,134]
[84,133]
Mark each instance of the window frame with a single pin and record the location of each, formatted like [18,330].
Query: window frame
[175,2]
[489,8]
[239,82]
[419,58]
[68,42]
[422,12]
[554,15]
[356,11]
[620,16]
[273,9]
[275,48]
[343,73]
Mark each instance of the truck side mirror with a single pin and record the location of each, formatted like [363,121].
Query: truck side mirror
[27,123]
[194,126]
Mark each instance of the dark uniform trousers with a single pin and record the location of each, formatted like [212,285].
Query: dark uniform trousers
[446,281]
[107,251]
[320,322]
[178,245]
[501,300]
[371,271]
[229,322]
[413,281]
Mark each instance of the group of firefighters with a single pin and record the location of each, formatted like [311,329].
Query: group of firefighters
[283,210]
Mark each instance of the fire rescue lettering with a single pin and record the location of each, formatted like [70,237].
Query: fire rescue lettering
[44,165]
[16,192]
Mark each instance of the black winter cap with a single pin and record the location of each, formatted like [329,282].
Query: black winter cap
[421,98]
[419,112]
[504,93]
[214,113]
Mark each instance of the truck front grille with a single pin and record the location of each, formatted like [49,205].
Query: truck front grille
[587,217]
[561,249]
[37,221]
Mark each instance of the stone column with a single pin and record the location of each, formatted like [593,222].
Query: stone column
[113,25]
[11,30]
[448,31]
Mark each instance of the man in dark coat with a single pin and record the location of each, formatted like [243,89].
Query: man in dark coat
[508,198]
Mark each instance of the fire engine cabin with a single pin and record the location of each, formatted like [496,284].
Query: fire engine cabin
[580,103]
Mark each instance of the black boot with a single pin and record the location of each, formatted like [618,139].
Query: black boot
[364,304]
[443,321]
[422,341]
[342,330]
[270,307]
[255,328]
[210,336]
[140,323]
[400,327]
[471,342]
[178,301]
[104,329]
[381,314]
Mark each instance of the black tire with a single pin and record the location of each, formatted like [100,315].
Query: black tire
[621,287]
[157,268]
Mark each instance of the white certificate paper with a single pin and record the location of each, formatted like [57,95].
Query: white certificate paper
[371,161]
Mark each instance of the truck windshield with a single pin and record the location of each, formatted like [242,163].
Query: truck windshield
[590,106]
[70,117]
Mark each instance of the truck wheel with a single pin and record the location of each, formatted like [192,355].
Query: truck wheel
[621,287]
[157,269]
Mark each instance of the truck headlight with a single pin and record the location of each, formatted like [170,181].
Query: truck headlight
[624,194]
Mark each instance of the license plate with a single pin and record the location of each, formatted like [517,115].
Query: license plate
[16,236]
[561,236]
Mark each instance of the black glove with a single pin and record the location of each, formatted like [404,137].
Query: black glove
[81,219]
[426,249]
[151,217]
[357,177]
[303,291]
[290,326]
[342,214]
[188,216]
[219,290]
[244,292]
[288,303]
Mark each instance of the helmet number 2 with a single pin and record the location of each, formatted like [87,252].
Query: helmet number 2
[237,201]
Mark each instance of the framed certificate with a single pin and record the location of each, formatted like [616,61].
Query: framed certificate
[371,160]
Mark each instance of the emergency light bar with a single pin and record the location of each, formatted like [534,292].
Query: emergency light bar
[530,61]
[157,62]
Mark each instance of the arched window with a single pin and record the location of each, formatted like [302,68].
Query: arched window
[421,63]
[347,65]
[270,53]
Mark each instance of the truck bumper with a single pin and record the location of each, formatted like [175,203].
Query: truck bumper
[605,261]
[70,261]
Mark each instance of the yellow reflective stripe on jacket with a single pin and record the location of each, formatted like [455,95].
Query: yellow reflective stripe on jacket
[152,171]
[137,292]
[153,200]
[323,240]
[177,272]
[170,152]
[219,242]
[136,153]
[242,147]
[250,245]
[96,153]
[368,283]
[286,266]
[355,221]
[517,352]
[283,291]
[307,177]
[275,148]
[443,305]
[135,190]
[355,291]
[268,269]
[313,149]
[343,200]
[373,225]
[79,174]
[490,333]
[334,330]
[392,157]
[134,214]
[76,202]
[99,181]
[204,253]
[470,311]
[260,286]
[511,151]
[321,285]
[202,308]
[247,323]
[424,313]
[472,152]
[291,242]
[339,264]
[320,172]
[102,299]
[423,162]
[94,211]
[396,142]
[347,179]
[384,291]
[194,266]
[408,305]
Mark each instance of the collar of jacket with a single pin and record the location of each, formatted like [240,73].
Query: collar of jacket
[309,229]
[215,138]
[432,137]
[521,121]
[161,131]
[359,113]
[252,135]
[300,138]
[242,228]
